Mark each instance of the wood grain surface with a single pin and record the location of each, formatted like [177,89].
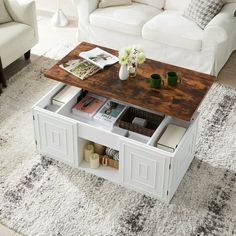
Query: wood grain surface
[181,101]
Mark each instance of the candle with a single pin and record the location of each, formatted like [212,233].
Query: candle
[88,150]
[99,149]
[94,161]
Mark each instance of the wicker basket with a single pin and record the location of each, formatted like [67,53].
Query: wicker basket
[107,161]
[153,121]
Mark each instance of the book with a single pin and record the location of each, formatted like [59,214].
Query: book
[171,137]
[99,57]
[65,95]
[88,106]
[109,113]
[80,68]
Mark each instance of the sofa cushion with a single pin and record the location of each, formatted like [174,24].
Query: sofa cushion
[178,5]
[124,19]
[4,16]
[173,29]
[155,3]
[110,3]
[203,11]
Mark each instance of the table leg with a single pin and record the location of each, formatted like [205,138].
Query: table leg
[2,76]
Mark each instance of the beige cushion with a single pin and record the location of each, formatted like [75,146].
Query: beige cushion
[124,19]
[4,16]
[110,3]
[15,40]
[155,3]
[179,5]
[173,29]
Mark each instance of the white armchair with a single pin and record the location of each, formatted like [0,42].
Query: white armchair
[19,35]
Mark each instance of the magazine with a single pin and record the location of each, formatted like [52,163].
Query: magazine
[99,57]
[88,106]
[81,68]
[109,113]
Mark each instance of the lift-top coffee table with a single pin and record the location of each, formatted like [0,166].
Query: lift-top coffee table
[142,166]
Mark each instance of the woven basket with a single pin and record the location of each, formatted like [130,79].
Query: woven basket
[107,161]
[153,121]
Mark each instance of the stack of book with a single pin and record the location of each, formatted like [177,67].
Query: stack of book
[88,106]
[171,137]
[109,113]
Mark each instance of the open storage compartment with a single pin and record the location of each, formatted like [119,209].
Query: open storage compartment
[160,130]
[104,171]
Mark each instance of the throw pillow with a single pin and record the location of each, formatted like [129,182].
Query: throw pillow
[4,16]
[203,11]
[155,3]
[112,3]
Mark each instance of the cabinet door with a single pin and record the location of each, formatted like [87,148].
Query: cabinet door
[183,158]
[56,137]
[144,169]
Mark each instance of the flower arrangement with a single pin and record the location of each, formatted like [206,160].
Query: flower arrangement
[131,57]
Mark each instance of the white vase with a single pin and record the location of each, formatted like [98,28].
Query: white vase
[123,73]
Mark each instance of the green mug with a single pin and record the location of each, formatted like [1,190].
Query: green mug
[156,81]
[173,78]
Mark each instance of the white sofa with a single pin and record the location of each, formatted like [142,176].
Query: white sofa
[165,34]
[18,36]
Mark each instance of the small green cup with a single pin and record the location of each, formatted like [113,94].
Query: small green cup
[156,81]
[173,78]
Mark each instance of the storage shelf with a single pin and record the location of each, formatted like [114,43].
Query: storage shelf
[105,172]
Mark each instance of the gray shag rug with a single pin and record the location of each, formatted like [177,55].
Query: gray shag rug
[39,196]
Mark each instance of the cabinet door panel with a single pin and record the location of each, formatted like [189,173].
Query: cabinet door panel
[144,169]
[56,137]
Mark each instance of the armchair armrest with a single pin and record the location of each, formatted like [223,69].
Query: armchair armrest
[221,26]
[23,12]
[85,7]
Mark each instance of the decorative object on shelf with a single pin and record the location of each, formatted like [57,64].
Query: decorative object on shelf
[111,152]
[107,161]
[88,150]
[156,81]
[139,121]
[94,161]
[173,78]
[59,19]
[153,121]
[116,157]
[99,149]
[131,57]
[123,72]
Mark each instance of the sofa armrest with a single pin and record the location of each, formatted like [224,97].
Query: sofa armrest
[85,7]
[221,26]
[23,12]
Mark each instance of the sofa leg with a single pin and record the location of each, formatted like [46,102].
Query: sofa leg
[27,55]
[3,80]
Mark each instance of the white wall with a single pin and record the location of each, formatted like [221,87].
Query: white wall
[50,6]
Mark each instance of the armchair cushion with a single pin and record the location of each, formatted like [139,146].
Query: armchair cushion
[124,19]
[171,28]
[4,16]
[110,3]
[14,34]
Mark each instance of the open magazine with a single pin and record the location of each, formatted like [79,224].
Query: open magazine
[81,68]
[99,57]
